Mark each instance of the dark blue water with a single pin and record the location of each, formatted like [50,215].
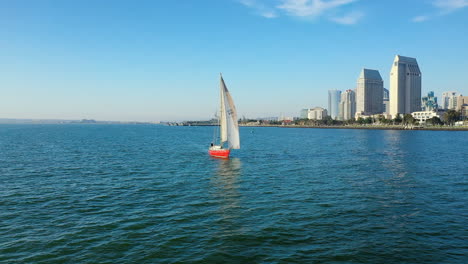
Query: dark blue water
[151,194]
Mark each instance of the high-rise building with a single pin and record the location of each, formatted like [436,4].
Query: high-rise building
[449,100]
[461,102]
[333,103]
[369,94]
[464,112]
[317,113]
[347,105]
[386,94]
[405,86]
[386,102]
[429,102]
[304,114]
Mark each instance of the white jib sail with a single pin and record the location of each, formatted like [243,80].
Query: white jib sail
[230,132]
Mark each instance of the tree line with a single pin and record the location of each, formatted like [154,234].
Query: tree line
[450,117]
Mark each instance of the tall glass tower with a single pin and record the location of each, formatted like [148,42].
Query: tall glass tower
[334,97]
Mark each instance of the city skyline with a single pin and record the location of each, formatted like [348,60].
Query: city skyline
[160,61]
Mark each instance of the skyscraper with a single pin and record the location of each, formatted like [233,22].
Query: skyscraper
[369,93]
[386,101]
[386,94]
[333,103]
[461,101]
[405,86]
[449,100]
[347,105]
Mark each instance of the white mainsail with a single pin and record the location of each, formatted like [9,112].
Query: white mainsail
[228,119]
[222,118]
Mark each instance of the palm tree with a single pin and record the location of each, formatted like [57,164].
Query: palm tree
[452,116]
[435,121]
[397,120]
[408,119]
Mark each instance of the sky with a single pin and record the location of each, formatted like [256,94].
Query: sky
[160,60]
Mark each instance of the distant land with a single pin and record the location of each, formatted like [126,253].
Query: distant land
[62,121]
[361,123]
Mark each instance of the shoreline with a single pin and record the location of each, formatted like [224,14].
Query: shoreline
[370,127]
[366,127]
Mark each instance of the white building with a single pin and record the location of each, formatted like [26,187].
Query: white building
[376,116]
[422,116]
[347,107]
[449,100]
[333,103]
[317,113]
[369,92]
[405,86]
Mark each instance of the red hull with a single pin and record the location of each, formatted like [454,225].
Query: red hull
[220,153]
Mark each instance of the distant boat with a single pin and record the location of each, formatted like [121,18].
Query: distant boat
[228,126]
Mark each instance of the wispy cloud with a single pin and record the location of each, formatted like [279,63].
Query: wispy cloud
[349,19]
[443,7]
[268,14]
[260,8]
[308,9]
[450,5]
[418,19]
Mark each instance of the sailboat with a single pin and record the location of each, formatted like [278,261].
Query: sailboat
[228,126]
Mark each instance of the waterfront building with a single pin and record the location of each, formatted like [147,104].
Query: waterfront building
[405,86]
[422,116]
[369,94]
[375,117]
[449,100]
[317,113]
[304,113]
[285,118]
[429,102]
[347,107]
[461,102]
[333,103]
[268,119]
[386,102]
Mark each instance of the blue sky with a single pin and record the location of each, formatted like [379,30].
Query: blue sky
[160,60]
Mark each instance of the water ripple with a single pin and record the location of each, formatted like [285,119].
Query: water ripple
[150,194]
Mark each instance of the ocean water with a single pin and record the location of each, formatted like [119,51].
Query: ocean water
[151,194]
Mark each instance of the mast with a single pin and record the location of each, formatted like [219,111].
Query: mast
[223,118]
[215,130]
